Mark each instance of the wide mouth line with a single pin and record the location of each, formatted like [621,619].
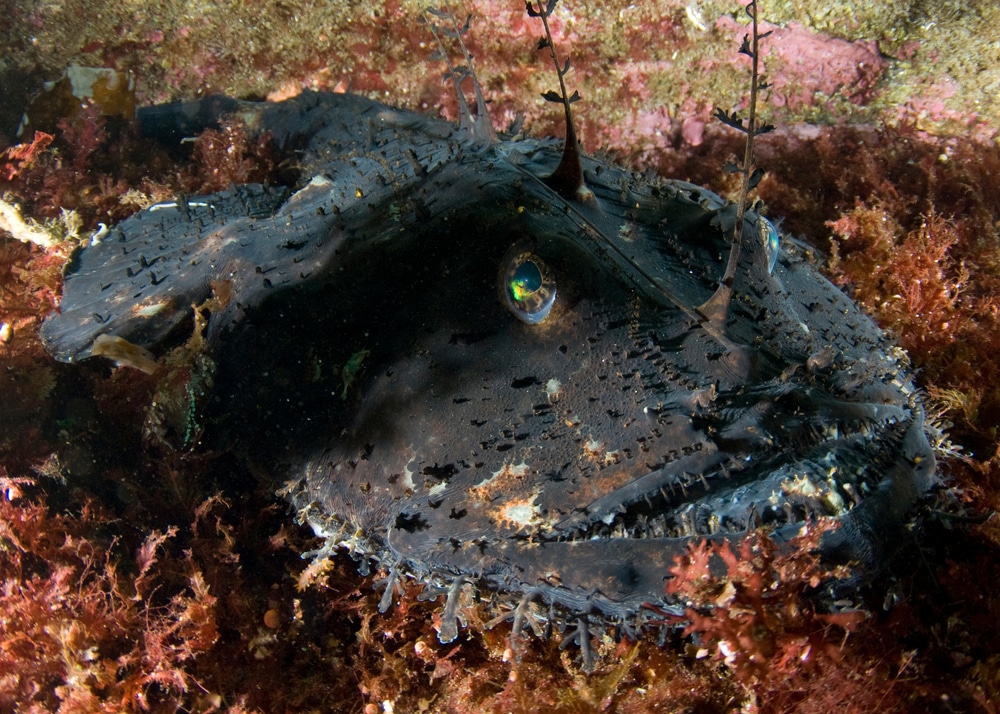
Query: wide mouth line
[828,479]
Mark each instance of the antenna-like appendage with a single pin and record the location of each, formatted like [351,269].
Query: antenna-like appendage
[716,307]
[479,126]
[567,179]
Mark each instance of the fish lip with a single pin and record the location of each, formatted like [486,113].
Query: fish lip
[822,482]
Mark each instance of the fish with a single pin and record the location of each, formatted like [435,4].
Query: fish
[470,373]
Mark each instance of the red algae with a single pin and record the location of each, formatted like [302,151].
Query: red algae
[893,61]
[74,636]
[758,617]
[809,68]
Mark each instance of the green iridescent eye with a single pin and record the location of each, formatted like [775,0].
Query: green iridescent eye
[525,281]
[527,287]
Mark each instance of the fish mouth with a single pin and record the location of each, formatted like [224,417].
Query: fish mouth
[709,493]
[616,554]
[615,570]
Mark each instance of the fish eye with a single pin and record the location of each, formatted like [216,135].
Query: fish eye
[772,242]
[527,288]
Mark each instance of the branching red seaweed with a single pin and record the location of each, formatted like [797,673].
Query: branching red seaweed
[76,636]
[111,603]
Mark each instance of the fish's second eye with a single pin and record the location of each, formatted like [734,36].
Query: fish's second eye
[771,240]
[526,286]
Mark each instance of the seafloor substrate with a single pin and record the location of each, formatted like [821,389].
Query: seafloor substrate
[139,578]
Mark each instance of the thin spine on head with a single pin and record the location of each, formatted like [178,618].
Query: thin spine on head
[567,179]
[716,307]
[480,126]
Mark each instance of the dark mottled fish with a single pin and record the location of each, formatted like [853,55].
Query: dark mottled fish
[470,379]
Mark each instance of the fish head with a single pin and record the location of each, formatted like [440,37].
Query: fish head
[542,406]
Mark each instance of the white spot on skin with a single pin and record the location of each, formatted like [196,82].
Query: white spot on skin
[102,230]
[521,514]
[510,471]
[593,447]
[408,475]
[150,310]
[518,470]
[437,488]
